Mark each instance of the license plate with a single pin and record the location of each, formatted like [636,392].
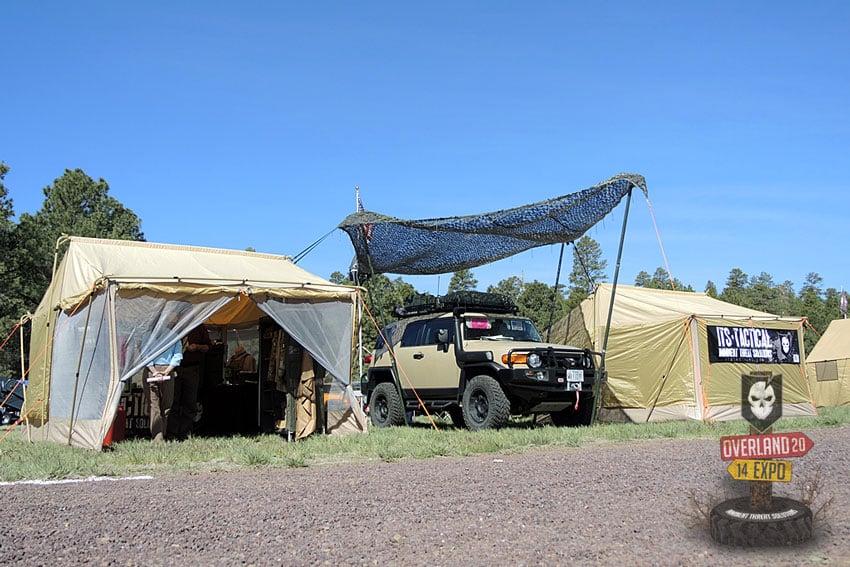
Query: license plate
[575,378]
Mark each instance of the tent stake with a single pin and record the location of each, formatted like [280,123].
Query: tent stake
[597,387]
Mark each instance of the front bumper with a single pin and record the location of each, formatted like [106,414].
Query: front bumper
[545,389]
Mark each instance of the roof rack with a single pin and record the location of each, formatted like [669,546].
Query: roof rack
[424,304]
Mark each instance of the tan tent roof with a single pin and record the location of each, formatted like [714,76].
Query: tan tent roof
[640,305]
[90,260]
[834,344]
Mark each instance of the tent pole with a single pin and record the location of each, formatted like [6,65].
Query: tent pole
[597,387]
[395,372]
[77,372]
[21,322]
[24,370]
[359,336]
[52,317]
[555,292]
[667,374]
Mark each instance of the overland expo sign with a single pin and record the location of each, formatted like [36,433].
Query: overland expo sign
[761,519]
[753,345]
[763,470]
[766,446]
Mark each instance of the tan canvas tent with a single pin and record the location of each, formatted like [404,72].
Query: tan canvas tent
[828,366]
[113,305]
[680,355]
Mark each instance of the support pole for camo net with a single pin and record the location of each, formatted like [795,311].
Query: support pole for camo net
[395,370]
[555,293]
[600,372]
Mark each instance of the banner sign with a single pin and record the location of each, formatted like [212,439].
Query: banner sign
[752,344]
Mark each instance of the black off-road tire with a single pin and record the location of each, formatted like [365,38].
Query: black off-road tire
[788,523]
[569,417]
[456,414]
[385,407]
[485,405]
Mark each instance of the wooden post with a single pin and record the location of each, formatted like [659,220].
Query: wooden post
[761,493]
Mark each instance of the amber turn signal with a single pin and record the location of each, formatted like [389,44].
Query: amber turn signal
[515,358]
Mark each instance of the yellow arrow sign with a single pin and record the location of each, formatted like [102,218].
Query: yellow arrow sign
[760,469]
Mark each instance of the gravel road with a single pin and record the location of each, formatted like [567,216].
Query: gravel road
[608,504]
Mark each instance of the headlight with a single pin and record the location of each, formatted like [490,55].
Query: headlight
[532,360]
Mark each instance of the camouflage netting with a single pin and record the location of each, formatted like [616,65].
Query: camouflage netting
[436,246]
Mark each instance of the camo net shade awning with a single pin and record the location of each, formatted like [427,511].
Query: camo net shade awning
[436,246]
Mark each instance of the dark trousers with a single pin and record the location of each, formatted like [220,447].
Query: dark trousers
[184,408]
[160,397]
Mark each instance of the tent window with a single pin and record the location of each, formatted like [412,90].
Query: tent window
[323,328]
[826,371]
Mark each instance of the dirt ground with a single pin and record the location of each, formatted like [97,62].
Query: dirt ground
[607,504]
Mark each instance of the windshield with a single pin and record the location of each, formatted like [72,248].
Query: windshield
[500,328]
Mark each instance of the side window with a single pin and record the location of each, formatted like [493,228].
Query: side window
[411,333]
[388,333]
[379,341]
[429,336]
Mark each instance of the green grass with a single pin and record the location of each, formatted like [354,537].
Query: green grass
[20,460]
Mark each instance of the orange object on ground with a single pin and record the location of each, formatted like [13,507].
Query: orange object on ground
[118,429]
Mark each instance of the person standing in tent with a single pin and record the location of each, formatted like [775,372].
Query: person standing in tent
[240,363]
[158,386]
[184,409]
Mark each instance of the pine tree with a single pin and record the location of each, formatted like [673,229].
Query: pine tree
[588,269]
[462,280]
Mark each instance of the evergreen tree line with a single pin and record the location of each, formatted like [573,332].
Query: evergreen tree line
[74,205]
[543,304]
[77,205]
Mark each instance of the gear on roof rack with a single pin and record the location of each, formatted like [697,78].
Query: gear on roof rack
[423,304]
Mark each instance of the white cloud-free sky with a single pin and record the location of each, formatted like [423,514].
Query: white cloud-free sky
[249,124]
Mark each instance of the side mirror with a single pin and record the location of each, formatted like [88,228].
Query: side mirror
[443,340]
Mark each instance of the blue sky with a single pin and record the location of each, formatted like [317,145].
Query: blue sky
[231,125]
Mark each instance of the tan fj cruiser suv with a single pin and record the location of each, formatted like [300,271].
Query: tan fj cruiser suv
[469,354]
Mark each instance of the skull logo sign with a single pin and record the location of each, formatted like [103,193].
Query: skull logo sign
[761,399]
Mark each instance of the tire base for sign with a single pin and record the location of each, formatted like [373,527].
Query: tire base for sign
[733,522]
